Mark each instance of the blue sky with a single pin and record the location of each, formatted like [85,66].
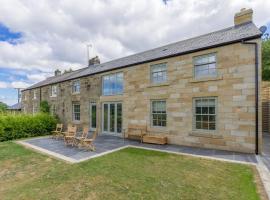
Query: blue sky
[38,38]
[11,78]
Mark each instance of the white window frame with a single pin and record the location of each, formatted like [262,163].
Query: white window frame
[34,109]
[90,112]
[76,87]
[73,112]
[35,94]
[162,72]
[112,76]
[205,64]
[208,114]
[152,113]
[53,109]
[54,91]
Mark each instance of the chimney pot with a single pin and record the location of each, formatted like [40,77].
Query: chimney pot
[244,16]
[93,61]
[57,72]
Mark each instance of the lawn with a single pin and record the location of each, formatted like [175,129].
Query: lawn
[127,174]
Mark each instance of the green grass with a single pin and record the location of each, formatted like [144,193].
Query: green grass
[127,174]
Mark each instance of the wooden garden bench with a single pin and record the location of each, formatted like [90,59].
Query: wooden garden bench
[135,132]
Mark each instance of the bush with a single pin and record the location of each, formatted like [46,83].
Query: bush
[44,107]
[22,126]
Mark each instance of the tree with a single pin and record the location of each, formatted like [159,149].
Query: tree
[3,107]
[44,107]
[266,60]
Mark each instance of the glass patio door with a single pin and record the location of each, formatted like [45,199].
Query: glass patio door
[112,118]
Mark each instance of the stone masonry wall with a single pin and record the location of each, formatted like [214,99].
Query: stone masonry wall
[234,88]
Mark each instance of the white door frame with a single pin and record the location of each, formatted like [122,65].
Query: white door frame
[90,115]
[109,103]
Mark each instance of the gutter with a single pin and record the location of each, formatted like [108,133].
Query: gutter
[256,94]
[151,60]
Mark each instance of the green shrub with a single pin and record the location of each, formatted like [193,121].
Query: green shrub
[22,126]
[44,107]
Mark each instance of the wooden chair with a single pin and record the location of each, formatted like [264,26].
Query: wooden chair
[135,132]
[58,131]
[88,142]
[70,135]
[78,139]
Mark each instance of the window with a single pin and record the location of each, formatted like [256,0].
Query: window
[53,90]
[35,94]
[76,86]
[159,115]
[205,66]
[53,109]
[34,109]
[112,84]
[205,113]
[76,108]
[93,115]
[159,73]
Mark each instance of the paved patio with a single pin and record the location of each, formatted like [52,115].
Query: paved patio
[266,150]
[106,143]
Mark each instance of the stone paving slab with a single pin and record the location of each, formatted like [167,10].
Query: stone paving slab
[107,143]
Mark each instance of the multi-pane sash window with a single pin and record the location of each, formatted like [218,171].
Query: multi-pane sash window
[54,91]
[112,84]
[159,73]
[35,94]
[76,86]
[76,111]
[34,109]
[53,109]
[205,66]
[159,115]
[205,113]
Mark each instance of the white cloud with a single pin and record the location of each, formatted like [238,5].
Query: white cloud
[3,84]
[19,84]
[55,33]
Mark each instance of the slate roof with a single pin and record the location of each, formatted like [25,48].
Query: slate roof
[16,106]
[222,37]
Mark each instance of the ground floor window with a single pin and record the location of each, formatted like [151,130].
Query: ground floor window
[158,113]
[53,109]
[35,110]
[76,108]
[205,111]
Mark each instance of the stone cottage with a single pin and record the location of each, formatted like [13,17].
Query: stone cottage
[199,92]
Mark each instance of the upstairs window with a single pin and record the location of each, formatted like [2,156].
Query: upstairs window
[205,66]
[76,86]
[53,90]
[76,111]
[159,115]
[159,73]
[205,113]
[112,84]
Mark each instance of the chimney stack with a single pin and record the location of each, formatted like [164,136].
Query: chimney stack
[244,16]
[57,72]
[93,61]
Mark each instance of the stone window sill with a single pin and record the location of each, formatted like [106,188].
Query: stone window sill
[206,79]
[213,135]
[158,84]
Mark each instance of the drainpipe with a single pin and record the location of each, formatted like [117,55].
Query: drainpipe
[256,94]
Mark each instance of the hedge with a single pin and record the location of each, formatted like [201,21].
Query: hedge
[22,126]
